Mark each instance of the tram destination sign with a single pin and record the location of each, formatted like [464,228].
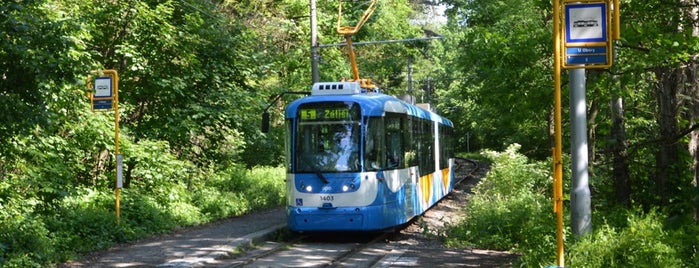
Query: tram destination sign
[319,114]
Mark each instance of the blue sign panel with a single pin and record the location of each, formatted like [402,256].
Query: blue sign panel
[101,104]
[586,55]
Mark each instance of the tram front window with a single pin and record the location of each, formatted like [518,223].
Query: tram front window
[327,138]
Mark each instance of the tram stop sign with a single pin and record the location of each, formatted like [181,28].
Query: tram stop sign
[103,96]
[587,35]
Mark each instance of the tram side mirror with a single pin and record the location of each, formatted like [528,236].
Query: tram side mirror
[265,122]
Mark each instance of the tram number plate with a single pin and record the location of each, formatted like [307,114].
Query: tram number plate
[327,198]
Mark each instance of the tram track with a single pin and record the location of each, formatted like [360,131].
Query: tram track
[466,168]
[268,248]
[340,260]
[317,250]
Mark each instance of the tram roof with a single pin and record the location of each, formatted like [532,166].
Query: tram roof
[372,104]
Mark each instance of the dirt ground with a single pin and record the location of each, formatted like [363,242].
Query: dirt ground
[421,239]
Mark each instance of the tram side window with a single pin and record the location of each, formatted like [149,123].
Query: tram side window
[444,146]
[374,147]
[424,137]
[410,156]
[428,149]
[288,143]
[417,142]
[394,141]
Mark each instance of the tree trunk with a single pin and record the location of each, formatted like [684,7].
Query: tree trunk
[693,16]
[592,132]
[620,166]
[693,148]
[692,91]
[667,155]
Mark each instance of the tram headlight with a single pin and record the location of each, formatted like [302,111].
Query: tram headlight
[346,188]
[309,188]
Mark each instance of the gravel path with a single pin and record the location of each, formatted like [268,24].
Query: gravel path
[189,247]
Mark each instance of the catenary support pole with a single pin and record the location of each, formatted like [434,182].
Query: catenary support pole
[410,77]
[580,191]
[314,43]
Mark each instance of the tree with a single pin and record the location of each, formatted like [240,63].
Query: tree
[664,49]
[185,70]
[39,57]
[504,62]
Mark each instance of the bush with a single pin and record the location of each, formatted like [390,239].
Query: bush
[643,243]
[215,204]
[241,191]
[510,209]
[512,173]
[164,194]
[24,242]
[83,222]
[269,187]
[24,239]
[502,224]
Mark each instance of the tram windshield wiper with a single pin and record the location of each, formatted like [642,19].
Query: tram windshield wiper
[318,173]
[322,177]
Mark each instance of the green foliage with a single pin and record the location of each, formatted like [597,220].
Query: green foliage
[510,209]
[502,69]
[83,222]
[24,240]
[643,242]
[182,71]
[242,191]
[153,170]
[40,52]
[512,173]
[145,215]
[266,186]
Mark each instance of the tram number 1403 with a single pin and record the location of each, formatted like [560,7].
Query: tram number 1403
[327,198]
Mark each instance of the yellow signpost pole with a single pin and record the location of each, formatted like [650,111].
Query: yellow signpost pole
[108,99]
[616,32]
[558,43]
[557,151]
[116,143]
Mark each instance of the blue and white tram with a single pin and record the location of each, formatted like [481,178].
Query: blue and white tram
[362,161]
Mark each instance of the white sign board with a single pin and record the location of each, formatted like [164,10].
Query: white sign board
[103,87]
[120,171]
[586,22]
